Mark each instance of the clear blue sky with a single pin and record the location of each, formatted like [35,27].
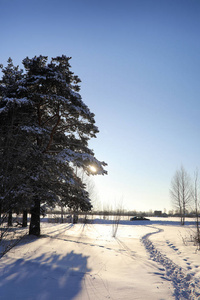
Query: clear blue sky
[139,62]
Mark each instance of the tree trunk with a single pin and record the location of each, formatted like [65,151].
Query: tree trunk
[198,230]
[10,218]
[184,212]
[62,214]
[75,219]
[197,223]
[0,212]
[24,221]
[181,216]
[35,219]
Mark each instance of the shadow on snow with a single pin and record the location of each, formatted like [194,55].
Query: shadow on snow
[44,278]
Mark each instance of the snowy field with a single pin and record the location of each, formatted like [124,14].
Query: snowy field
[146,260]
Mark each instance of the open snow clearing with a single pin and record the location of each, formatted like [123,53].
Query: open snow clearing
[85,262]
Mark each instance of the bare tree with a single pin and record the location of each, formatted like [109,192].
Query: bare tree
[89,183]
[196,203]
[117,217]
[181,192]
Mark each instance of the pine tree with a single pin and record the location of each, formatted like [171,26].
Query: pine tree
[45,129]
[61,128]
[14,112]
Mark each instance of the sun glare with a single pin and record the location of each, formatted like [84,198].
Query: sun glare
[93,169]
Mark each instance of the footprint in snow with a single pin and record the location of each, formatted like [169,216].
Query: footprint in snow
[157,273]
[161,269]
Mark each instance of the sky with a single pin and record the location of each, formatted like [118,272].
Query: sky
[139,65]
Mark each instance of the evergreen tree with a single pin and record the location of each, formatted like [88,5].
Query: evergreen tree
[14,112]
[60,128]
[44,132]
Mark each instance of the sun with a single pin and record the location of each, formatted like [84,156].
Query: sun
[93,169]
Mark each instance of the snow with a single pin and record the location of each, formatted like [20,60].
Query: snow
[39,77]
[146,260]
[78,158]
[20,102]
[34,129]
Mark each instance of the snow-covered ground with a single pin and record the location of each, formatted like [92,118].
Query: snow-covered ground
[146,260]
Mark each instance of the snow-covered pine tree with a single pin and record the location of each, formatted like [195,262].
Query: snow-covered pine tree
[14,112]
[61,126]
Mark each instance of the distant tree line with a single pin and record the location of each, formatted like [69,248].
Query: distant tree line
[44,132]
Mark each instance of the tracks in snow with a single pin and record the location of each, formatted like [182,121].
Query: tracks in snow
[186,287]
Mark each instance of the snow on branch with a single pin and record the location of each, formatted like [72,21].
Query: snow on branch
[84,160]
[33,129]
[12,101]
[82,106]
